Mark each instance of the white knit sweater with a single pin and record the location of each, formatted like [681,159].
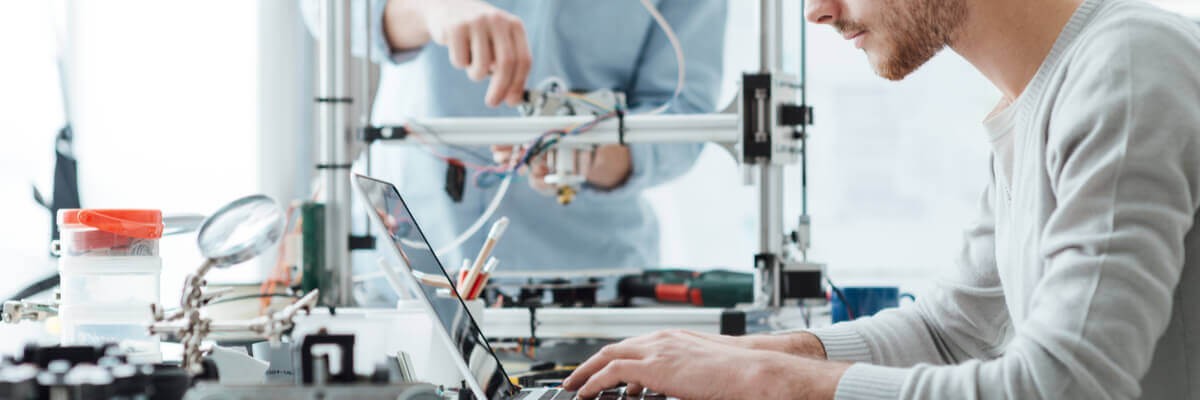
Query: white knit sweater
[1080,277]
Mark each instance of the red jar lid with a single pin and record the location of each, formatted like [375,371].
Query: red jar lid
[142,224]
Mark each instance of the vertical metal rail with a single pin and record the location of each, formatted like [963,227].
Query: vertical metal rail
[770,213]
[805,220]
[770,178]
[333,102]
[770,19]
[804,102]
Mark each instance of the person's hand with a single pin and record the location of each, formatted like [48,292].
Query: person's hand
[483,40]
[606,169]
[686,365]
[802,344]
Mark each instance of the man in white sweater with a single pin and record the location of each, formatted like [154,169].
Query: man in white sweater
[1078,280]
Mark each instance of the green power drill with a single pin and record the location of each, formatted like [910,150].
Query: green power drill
[715,288]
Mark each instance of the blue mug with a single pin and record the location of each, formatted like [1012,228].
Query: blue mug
[862,301]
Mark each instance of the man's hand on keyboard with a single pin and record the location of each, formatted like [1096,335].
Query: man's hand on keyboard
[795,343]
[689,366]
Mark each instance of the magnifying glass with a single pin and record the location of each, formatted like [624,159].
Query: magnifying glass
[239,232]
[234,234]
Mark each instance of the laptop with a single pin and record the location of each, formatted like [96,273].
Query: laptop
[408,250]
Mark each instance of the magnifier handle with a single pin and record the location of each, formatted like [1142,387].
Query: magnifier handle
[203,270]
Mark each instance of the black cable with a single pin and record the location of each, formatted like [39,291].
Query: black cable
[841,296]
[42,285]
[621,127]
[438,138]
[533,323]
[542,144]
[366,216]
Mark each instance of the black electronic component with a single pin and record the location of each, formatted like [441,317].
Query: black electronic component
[41,356]
[795,115]
[456,179]
[87,372]
[764,261]
[756,129]
[563,293]
[309,367]
[733,322]
[372,133]
[18,382]
[210,372]
[465,393]
[169,382]
[365,242]
[129,381]
[530,296]
[802,285]
[382,374]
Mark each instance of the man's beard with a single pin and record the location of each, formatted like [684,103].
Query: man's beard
[918,30]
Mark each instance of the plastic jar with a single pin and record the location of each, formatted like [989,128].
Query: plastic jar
[110,270]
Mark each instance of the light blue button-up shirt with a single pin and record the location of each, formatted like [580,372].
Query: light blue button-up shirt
[590,44]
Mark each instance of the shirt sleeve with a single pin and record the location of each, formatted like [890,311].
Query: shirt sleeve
[700,27]
[1124,169]
[963,317]
[381,51]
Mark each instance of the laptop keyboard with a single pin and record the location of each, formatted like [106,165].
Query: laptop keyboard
[563,395]
[610,394]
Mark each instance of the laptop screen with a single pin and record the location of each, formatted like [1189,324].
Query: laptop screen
[412,250]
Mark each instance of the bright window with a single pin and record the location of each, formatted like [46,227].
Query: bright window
[165,115]
[167,111]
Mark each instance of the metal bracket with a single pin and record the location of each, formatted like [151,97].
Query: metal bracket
[365,242]
[756,138]
[311,373]
[24,310]
[795,115]
[801,280]
[796,280]
[558,101]
[764,260]
[370,134]
[733,322]
[769,115]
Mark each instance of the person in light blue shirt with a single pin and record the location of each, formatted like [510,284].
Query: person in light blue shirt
[589,45]
[470,58]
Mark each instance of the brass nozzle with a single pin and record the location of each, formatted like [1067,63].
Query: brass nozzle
[565,195]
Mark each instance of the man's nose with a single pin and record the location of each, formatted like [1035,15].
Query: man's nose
[822,11]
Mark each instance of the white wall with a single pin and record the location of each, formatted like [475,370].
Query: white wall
[169,112]
[895,173]
[30,115]
[164,103]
